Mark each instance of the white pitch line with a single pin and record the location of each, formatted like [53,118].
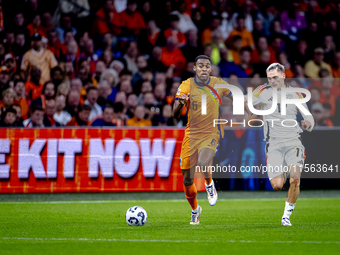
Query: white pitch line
[155,240]
[160,201]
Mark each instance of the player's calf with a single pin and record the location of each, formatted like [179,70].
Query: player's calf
[187,181]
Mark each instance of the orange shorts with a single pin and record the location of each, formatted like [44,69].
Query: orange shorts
[192,147]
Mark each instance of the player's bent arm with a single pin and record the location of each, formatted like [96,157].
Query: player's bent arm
[177,109]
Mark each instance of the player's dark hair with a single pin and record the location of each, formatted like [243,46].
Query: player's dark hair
[202,57]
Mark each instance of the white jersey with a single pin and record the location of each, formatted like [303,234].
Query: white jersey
[276,124]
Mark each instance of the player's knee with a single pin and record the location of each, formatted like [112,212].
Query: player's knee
[277,186]
[295,181]
[187,181]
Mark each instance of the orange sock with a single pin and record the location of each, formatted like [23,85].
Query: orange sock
[208,180]
[191,195]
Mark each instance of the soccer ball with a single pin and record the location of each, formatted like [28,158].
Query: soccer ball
[136,216]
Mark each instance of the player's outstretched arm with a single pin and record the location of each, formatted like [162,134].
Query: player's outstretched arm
[178,105]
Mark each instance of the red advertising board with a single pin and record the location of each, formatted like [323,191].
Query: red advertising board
[91,160]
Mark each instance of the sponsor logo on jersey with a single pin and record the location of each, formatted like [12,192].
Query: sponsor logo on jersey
[178,92]
[300,162]
[270,99]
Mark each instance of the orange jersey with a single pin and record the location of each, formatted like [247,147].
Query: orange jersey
[201,126]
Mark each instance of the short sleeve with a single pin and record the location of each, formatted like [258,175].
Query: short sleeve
[225,92]
[183,89]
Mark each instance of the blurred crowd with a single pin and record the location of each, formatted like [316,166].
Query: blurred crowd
[120,62]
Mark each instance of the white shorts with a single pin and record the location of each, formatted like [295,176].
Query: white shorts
[282,153]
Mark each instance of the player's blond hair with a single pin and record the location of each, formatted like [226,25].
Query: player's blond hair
[276,66]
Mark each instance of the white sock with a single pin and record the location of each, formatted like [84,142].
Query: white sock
[288,210]
[196,210]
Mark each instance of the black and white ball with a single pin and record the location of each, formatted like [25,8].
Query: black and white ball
[136,216]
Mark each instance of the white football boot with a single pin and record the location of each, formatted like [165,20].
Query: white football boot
[286,222]
[212,193]
[195,216]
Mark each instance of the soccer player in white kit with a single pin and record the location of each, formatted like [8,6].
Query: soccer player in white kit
[284,149]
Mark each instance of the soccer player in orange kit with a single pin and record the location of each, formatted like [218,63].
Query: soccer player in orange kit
[201,135]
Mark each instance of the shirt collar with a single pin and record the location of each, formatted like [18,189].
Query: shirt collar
[199,83]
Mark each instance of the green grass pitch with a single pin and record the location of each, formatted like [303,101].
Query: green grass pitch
[233,226]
